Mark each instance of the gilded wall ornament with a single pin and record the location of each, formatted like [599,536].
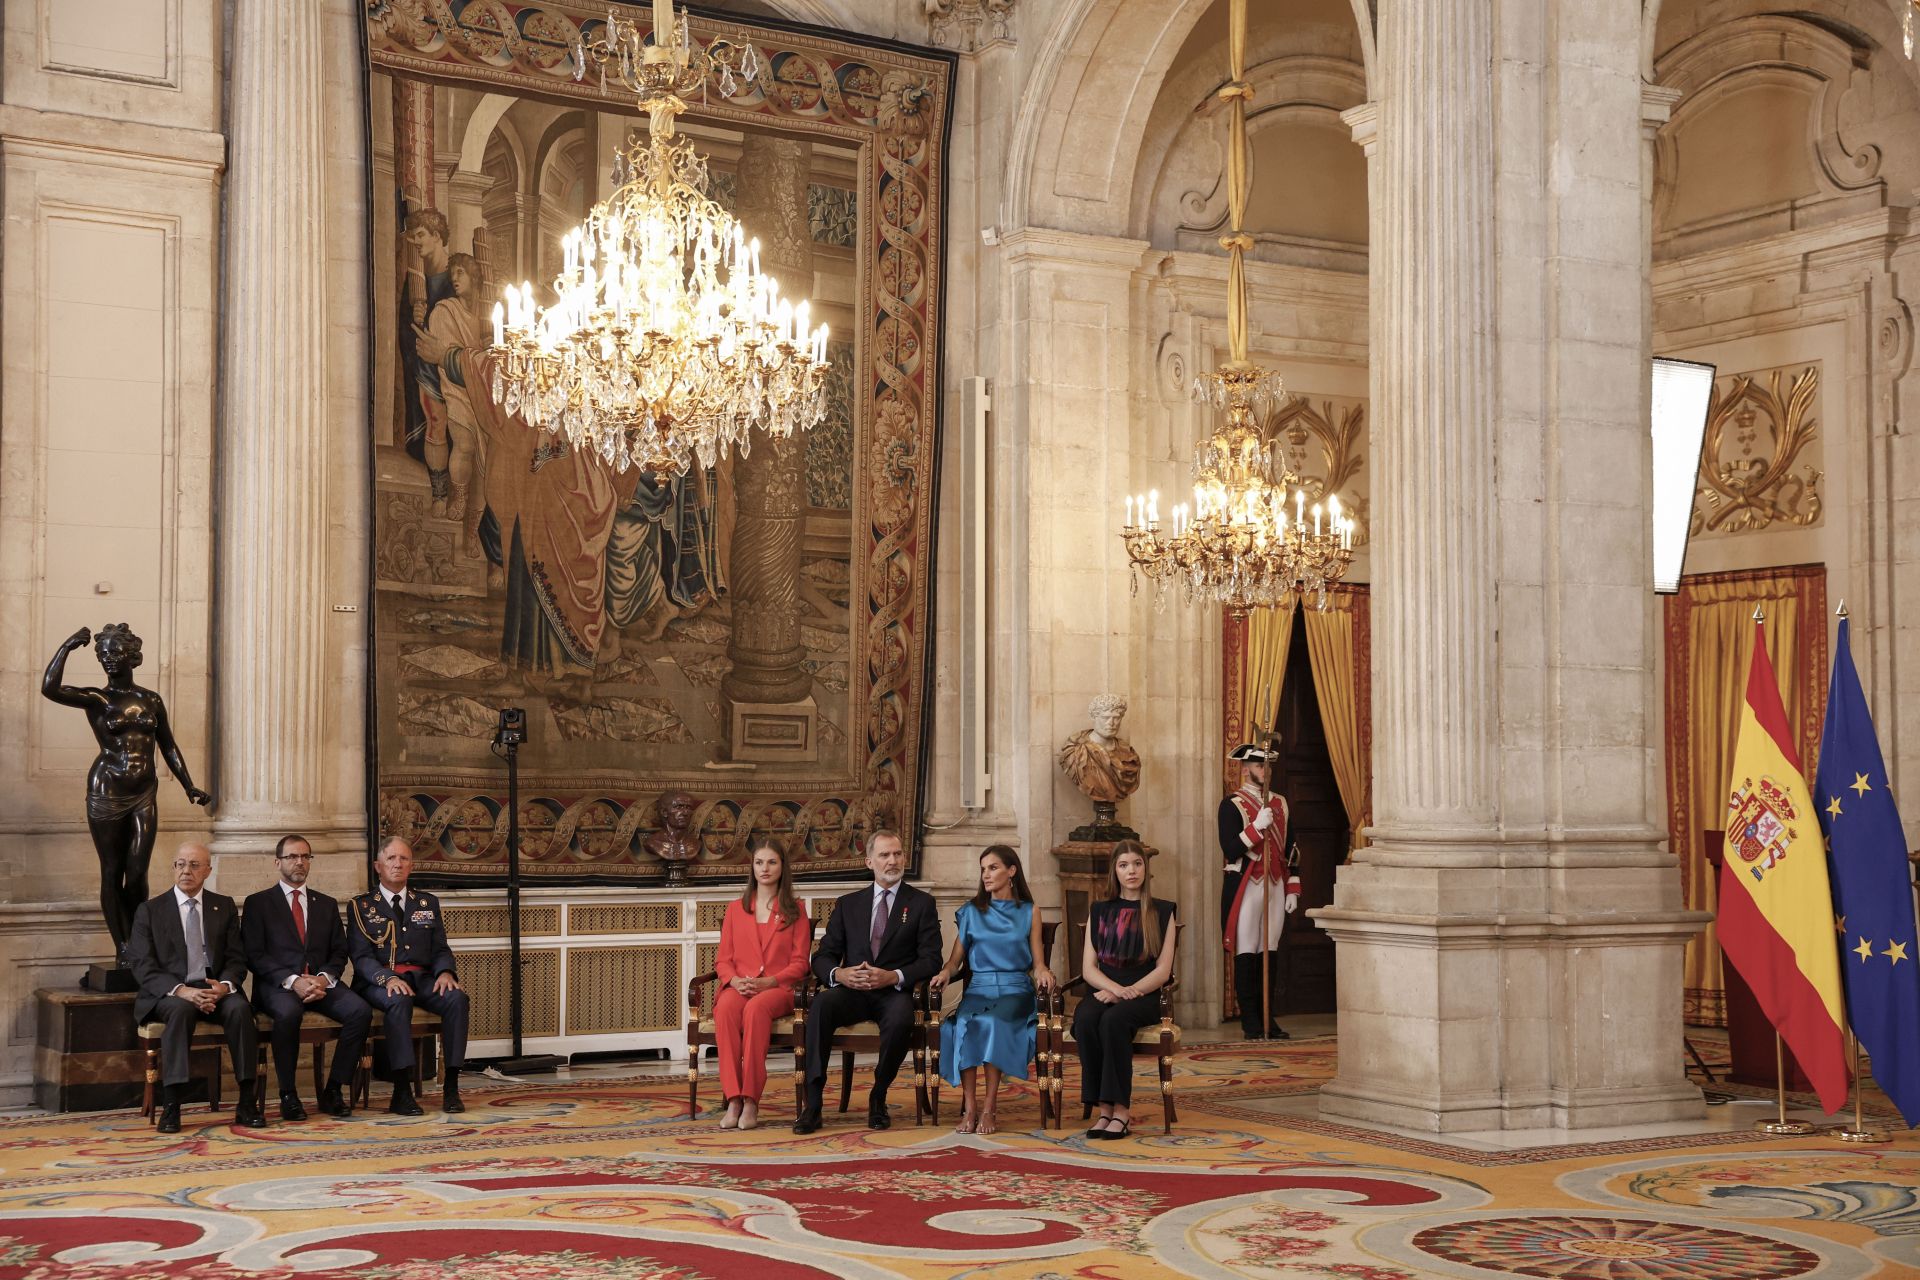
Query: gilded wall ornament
[1754,437]
[1326,447]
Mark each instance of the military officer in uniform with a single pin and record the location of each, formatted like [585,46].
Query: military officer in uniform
[1258,888]
[398,943]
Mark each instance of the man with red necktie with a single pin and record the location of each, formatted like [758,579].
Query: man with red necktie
[298,953]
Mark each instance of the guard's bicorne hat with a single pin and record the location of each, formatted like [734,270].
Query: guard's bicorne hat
[1250,753]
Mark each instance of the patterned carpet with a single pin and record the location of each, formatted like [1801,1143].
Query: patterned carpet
[610,1179]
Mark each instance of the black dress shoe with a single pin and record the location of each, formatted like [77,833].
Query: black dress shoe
[247,1113]
[1277,1032]
[402,1103]
[450,1100]
[877,1117]
[169,1118]
[333,1103]
[808,1121]
[290,1108]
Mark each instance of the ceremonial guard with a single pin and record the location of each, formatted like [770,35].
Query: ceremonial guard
[1253,910]
[398,941]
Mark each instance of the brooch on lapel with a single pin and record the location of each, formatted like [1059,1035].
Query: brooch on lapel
[903,915]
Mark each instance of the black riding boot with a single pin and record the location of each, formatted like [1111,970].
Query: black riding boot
[1246,989]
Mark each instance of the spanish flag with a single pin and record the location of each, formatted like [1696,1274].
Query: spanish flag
[1776,907]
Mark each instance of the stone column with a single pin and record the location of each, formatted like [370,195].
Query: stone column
[271,606]
[1509,946]
[769,691]
[1433,369]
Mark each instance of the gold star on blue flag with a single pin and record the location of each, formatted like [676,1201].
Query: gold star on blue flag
[1872,886]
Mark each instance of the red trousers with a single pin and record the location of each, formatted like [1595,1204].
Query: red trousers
[743,1028]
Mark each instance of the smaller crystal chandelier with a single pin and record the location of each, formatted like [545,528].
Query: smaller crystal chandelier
[1235,543]
[664,341]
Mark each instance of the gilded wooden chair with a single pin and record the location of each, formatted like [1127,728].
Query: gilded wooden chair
[1155,1040]
[787,1035]
[1043,1057]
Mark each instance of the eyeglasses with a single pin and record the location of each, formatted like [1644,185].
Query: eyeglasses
[183,865]
[296,857]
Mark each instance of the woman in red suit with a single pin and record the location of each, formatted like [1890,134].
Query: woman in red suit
[765,942]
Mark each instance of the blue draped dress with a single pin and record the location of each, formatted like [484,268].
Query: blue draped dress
[995,1022]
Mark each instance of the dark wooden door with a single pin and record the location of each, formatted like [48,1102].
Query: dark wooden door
[1305,778]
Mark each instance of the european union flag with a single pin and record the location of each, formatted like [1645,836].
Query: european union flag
[1872,889]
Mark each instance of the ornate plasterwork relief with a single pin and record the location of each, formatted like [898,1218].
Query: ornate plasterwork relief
[1752,476]
[968,25]
[1323,440]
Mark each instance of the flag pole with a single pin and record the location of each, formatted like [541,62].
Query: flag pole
[1859,1132]
[1783,1127]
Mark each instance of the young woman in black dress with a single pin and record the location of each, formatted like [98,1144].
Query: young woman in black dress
[1127,959]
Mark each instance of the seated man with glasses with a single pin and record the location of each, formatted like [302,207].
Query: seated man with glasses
[186,952]
[298,953]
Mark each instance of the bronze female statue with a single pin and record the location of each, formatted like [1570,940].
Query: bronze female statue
[128,722]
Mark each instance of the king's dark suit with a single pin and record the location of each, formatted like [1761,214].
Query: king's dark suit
[911,944]
[410,943]
[157,954]
[275,953]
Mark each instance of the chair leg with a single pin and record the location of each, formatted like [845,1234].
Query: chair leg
[152,1078]
[213,1084]
[693,1078]
[319,1063]
[361,1094]
[921,1107]
[1166,1080]
[846,1077]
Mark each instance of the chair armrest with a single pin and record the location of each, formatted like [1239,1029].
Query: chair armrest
[694,985]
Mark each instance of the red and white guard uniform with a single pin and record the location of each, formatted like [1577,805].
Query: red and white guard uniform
[1265,857]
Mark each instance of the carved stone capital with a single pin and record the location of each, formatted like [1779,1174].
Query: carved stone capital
[968,25]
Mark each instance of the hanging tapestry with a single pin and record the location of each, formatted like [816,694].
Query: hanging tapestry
[753,634]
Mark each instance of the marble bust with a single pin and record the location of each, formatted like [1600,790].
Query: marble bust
[1102,764]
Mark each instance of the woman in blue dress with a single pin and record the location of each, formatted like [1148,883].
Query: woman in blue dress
[997,936]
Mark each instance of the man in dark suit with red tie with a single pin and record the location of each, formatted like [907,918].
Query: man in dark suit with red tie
[298,953]
[186,952]
[880,943]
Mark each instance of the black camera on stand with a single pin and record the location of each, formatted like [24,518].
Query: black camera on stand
[508,738]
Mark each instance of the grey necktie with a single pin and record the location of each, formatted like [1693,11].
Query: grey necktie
[879,927]
[196,943]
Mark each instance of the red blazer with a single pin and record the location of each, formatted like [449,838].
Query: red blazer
[786,955]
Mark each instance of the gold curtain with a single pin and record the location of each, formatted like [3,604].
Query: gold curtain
[1269,636]
[1332,645]
[1709,627]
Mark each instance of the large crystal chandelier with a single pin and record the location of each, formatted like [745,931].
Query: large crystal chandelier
[663,340]
[1250,536]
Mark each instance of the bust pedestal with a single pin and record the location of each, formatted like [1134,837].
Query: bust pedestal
[1083,869]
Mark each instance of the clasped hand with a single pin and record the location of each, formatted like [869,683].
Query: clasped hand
[751,987]
[206,999]
[864,977]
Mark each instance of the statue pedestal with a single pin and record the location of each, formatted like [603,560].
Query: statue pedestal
[1083,870]
[102,977]
[85,1055]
